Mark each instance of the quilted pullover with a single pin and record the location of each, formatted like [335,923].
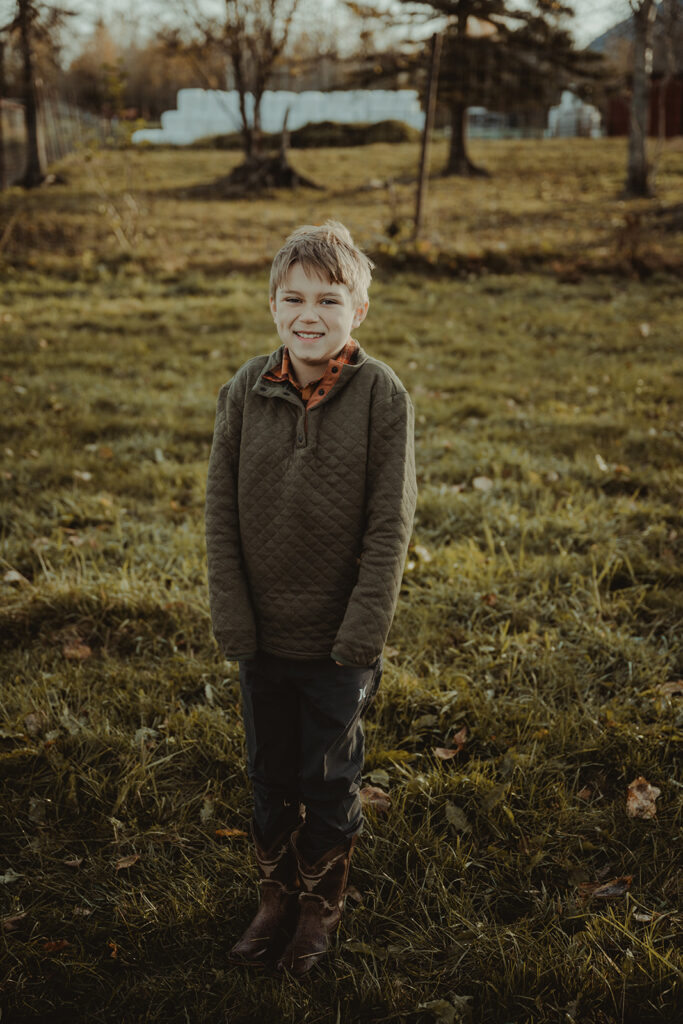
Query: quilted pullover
[309,514]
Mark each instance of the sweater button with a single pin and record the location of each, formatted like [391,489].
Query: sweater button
[300,438]
[335,369]
[321,391]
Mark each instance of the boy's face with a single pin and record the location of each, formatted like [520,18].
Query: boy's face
[314,319]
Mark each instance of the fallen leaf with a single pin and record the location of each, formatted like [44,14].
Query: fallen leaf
[9,876]
[36,810]
[391,652]
[13,576]
[145,735]
[57,946]
[73,862]
[372,796]
[460,738]
[75,650]
[490,599]
[10,922]
[82,474]
[35,723]
[114,949]
[601,464]
[425,722]
[673,689]
[615,887]
[448,1012]
[494,796]
[230,833]
[644,329]
[458,741]
[422,553]
[206,811]
[127,862]
[482,483]
[105,452]
[379,777]
[640,799]
[585,793]
[456,816]
[82,911]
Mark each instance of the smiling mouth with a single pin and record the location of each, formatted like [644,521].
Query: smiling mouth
[308,335]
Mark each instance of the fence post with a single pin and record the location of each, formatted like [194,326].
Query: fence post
[429,121]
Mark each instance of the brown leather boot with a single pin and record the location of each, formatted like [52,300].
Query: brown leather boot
[276,915]
[321,902]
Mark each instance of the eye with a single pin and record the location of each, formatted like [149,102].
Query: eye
[331,302]
[291,298]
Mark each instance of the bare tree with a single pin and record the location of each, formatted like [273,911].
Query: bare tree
[33,22]
[26,16]
[252,34]
[638,173]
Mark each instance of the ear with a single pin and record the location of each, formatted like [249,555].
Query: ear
[273,307]
[360,314]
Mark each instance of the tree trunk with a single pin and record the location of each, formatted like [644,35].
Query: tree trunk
[638,172]
[3,168]
[35,171]
[258,95]
[458,160]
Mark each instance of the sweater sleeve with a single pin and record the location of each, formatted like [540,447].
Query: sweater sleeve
[232,615]
[390,506]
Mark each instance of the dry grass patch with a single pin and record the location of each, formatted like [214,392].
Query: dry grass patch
[539,619]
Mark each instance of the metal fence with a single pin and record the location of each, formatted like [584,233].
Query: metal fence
[62,129]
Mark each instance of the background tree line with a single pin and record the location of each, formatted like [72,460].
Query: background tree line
[498,54]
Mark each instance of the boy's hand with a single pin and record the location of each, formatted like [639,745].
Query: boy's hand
[339,663]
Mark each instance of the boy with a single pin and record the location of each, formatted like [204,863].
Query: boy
[309,508]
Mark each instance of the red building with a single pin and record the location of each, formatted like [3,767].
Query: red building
[666,83]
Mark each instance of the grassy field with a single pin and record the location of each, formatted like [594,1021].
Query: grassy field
[541,609]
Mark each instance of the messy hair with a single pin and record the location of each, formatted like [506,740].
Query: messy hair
[328,250]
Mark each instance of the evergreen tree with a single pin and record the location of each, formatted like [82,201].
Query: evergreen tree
[504,57]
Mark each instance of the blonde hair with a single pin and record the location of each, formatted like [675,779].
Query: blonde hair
[328,250]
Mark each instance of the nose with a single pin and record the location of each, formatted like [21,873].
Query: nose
[308,315]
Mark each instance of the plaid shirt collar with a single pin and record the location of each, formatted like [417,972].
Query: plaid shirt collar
[314,392]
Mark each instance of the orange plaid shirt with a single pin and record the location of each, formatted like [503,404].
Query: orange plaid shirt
[312,394]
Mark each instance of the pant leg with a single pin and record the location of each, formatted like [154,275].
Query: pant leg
[332,700]
[270,710]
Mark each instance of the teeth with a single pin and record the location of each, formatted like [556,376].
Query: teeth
[305,334]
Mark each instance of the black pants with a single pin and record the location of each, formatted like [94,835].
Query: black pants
[305,745]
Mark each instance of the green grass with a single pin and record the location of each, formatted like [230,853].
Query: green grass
[541,612]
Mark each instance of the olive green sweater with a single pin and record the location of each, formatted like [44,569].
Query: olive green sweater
[309,514]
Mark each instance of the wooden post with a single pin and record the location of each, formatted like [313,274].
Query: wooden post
[427,132]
